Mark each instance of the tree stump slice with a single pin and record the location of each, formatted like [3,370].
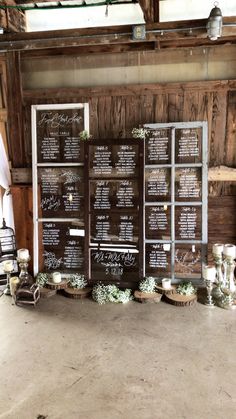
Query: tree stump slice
[166,291]
[77,293]
[47,292]
[61,286]
[147,297]
[180,300]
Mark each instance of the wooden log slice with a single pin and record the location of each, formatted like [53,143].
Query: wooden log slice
[147,297]
[77,293]
[165,291]
[47,292]
[61,286]
[180,300]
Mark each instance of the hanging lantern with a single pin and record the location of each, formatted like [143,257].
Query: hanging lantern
[214,23]
[7,242]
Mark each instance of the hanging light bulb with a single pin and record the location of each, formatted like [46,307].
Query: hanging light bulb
[215,23]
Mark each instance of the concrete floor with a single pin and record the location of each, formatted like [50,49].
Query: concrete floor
[78,360]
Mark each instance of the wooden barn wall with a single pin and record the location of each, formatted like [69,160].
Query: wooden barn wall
[115,111]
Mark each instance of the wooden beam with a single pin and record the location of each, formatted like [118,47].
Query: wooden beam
[222,174]
[32,96]
[167,34]
[16,150]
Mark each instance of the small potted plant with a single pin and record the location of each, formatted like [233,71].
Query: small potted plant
[77,287]
[146,292]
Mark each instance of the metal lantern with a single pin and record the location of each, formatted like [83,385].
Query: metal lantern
[214,24]
[7,242]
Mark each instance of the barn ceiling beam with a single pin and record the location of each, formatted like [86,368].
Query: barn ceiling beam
[159,35]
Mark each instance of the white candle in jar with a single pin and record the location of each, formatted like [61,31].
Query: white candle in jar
[217,249]
[229,250]
[166,283]
[209,273]
[8,266]
[56,277]
[23,254]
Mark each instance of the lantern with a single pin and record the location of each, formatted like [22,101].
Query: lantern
[7,242]
[214,23]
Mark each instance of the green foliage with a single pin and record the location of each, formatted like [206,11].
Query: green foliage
[84,135]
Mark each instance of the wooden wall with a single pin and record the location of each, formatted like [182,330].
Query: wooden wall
[115,111]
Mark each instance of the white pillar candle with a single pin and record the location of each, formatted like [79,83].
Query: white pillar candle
[8,266]
[209,273]
[229,250]
[166,283]
[56,277]
[217,249]
[23,254]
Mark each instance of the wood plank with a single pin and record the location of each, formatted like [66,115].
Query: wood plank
[222,173]
[15,111]
[104,117]
[218,125]
[230,143]
[23,217]
[118,116]
[33,96]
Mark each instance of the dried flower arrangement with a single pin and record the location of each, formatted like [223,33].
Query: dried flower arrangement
[110,294]
[186,288]
[42,278]
[139,133]
[77,281]
[148,284]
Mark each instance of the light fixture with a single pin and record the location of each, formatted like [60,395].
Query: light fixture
[215,23]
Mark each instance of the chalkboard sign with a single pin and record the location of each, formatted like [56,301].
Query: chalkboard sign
[157,184]
[188,261]
[158,146]
[62,247]
[158,259]
[114,186]
[108,160]
[175,239]
[58,186]
[188,184]
[158,222]
[58,137]
[61,192]
[188,225]
[188,145]
[114,265]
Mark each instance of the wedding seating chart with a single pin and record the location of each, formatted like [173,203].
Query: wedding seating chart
[118,209]
[175,199]
[58,183]
[114,209]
